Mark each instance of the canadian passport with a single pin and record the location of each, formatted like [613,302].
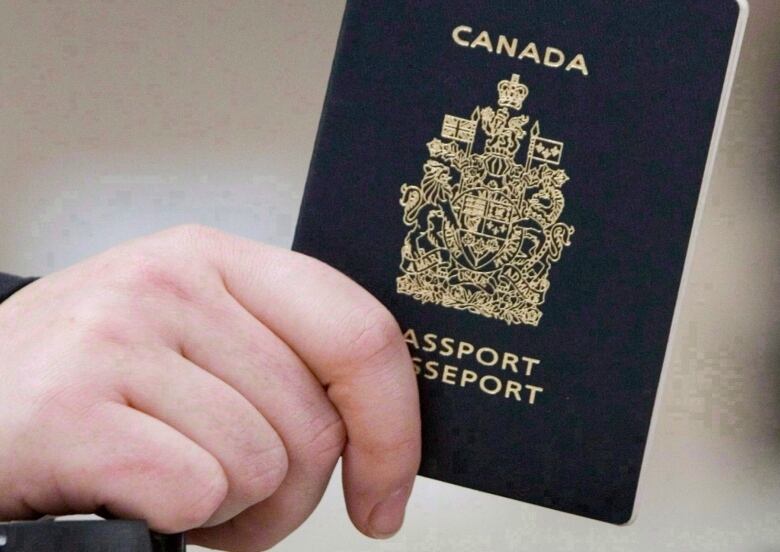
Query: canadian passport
[518,181]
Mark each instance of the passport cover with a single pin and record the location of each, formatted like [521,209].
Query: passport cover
[517,182]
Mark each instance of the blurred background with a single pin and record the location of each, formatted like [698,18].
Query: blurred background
[118,119]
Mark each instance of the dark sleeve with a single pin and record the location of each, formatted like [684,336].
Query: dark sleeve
[10,284]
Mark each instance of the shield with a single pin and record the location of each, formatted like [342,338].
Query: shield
[485,229]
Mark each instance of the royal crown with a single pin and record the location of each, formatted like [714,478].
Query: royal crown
[512,93]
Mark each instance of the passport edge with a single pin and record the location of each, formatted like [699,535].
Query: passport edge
[305,198]
[728,82]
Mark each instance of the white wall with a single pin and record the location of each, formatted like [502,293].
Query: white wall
[121,118]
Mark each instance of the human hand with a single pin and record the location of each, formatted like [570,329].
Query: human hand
[202,381]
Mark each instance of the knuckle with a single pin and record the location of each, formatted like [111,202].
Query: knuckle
[371,332]
[401,448]
[263,471]
[187,495]
[328,442]
[96,323]
[196,513]
[148,272]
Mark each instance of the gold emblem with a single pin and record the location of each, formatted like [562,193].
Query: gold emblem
[486,243]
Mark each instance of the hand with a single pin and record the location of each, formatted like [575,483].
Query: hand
[198,380]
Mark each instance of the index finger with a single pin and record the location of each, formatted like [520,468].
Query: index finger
[354,346]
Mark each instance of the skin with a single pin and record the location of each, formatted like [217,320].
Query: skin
[204,383]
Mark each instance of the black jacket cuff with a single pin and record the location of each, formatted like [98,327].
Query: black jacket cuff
[10,284]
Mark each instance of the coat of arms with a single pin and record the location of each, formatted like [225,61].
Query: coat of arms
[485,230]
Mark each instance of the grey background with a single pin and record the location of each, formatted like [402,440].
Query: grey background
[121,118]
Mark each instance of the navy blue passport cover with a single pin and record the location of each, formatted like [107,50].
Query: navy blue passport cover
[517,182]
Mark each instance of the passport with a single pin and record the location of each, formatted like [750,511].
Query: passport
[518,183]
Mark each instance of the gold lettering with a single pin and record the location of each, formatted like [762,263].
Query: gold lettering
[553,57]
[511,361]
[457,32]
[448,374]
[533,389]
[430,342]
[483,41]
[513,388]
[493,354]
[467,376]
[529,365]
[504,45]
[416,363]
[465,36]
[411,338]
[578,64]
[431,371]
[446,346]
[484,387]
[465,348]
[530,51]
[484,356]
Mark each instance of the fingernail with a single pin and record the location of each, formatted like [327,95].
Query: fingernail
[387,517]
